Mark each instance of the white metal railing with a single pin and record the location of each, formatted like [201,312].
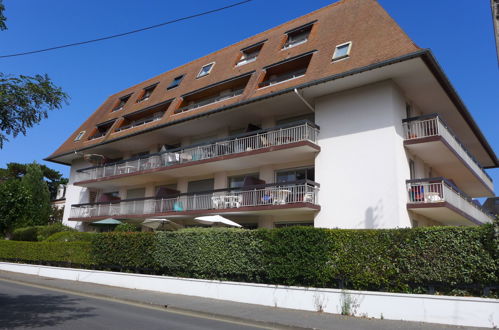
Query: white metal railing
[221,199]
[248,59]
[264,139]
[440,190]
[282,78]
[416,129]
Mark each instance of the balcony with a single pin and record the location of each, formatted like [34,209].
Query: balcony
[429,138]
[291,142]
[301,195]
[440,200]
[282,78]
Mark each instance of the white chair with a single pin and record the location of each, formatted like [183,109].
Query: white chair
[308,197]
[217,202]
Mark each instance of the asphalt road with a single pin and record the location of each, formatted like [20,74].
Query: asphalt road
[23,306]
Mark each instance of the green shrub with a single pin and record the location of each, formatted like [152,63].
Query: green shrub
[122,249]
[211,253]
[38,233]
[297,256]
[47,252]
[25,234]
[45,231]
[127,228]
[71,236]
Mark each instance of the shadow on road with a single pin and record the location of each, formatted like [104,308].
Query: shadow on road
[44,310]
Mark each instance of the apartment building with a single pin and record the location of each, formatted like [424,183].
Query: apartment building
[335,119]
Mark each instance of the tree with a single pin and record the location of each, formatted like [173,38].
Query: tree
[13,198]
[24,201]
[17,171]
[38,208]
[25,100]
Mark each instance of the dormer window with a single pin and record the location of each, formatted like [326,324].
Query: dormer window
[205,70]
[249,54]
[102,129]
[298,36]
[121,103]
[147,93]
[342,51]
[176,81]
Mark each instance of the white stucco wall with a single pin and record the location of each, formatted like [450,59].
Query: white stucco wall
[74,194]
[362,166]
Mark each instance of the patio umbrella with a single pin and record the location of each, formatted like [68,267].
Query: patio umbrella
[161,224]
[212,219]
[108,221]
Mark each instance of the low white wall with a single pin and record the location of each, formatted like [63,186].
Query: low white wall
[464,311]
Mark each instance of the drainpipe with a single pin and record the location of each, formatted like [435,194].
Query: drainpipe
[304,101]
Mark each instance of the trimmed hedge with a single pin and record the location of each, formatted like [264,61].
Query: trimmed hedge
[447,260]
[29,234]
[55,253]
[123,250]
[211,253]
[71,236]
[39,233]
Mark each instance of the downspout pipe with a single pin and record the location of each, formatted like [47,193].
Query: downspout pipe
[303,100]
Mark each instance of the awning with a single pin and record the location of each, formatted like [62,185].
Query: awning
[108,221]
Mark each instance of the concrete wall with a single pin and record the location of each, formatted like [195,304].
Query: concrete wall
[463,311]
[362,166]
[74,194]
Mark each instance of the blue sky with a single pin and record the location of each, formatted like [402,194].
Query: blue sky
[459,32]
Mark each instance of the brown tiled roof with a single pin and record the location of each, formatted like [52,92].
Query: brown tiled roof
[374,35]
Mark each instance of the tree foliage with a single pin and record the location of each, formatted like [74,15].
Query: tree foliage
[25,100]
[2,18]
[17,171]
[24,201]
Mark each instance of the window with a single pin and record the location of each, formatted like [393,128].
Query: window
[121,103]
[79,136]
[201,185]
[176,81]
[342,51]
[205,70]
[146,93]
[102,129]
[298,36]
[238,180]
[249,54]
[295,175]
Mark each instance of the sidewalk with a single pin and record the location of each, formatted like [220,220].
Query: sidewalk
[266,316]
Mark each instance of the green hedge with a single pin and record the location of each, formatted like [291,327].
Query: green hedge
[71,236]
[125,250]
[211,253]
[39,233]
[56,253]
[449,260]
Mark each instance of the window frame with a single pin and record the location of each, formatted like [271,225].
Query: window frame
[342,57]
[144,92]
[201,74]
[287,45]
[120,99]
[79,136]
[179,78]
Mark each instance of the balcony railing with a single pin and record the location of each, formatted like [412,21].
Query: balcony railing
[439,190]
[248,59]
[210,100]
[280,135]
[283,78]
[292,42]
[433,125]
[97,135]
[304,191]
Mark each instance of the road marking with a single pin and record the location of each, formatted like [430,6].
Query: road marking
[166,309]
